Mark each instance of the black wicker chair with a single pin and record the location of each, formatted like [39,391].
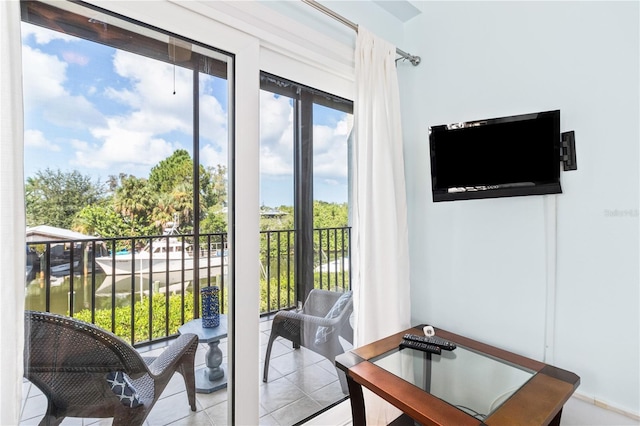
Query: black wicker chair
[301,328]
[69,360]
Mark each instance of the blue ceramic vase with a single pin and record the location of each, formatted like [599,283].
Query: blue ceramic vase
[210,298]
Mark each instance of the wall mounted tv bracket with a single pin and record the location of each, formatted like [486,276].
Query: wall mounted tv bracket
[568,151]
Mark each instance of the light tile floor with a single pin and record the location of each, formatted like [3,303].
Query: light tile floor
[301,383]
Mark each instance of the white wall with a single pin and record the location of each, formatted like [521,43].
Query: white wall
[497,270]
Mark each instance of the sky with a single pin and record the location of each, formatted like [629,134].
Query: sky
[103,112]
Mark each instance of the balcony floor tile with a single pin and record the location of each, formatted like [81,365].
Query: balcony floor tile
[300,384]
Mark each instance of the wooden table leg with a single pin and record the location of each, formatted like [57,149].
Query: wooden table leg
[556,419]
[357,403]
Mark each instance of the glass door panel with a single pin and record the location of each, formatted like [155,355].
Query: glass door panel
[303,153]
[331,130]
[277,237]
[127,135]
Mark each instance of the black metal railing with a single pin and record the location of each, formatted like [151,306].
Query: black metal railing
[142,288]
[331,266]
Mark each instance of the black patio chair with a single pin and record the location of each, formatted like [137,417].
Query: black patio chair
[323,319]
[85,371]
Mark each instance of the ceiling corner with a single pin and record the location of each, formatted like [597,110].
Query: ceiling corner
[403,10]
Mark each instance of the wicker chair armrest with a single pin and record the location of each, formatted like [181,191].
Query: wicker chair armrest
[291,316]
[183,344]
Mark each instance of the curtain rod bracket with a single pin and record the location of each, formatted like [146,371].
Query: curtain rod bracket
[415,60]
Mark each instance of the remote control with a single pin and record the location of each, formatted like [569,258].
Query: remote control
[432,340]
[420,346]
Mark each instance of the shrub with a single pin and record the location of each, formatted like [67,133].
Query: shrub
[141,314]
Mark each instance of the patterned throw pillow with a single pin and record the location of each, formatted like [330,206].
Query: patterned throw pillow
[123,389]
[324,333]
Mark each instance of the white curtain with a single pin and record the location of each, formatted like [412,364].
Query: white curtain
[380,248]
[12,216]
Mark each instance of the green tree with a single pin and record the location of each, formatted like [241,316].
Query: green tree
[216,191]
[100,219]
[163,211]
[215,221]
[330,215]
[182,202]
[172,171]
[135,202]
[54,197]
[174,176]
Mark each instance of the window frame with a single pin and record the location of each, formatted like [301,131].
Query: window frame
[304,98]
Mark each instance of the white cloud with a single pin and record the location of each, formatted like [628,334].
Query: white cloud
[213,121]
[153,121]
[151,95]
[119,144]
[151,124]
[75,58]
[72,111]
[42,35]
[210,156]
[330,150]
[39,86]
[140,137]
[80,145]
[276,135]
[276,141]
[37,139]
[46,91]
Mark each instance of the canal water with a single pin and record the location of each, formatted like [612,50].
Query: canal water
[120,289]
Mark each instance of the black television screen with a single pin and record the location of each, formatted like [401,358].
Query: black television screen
[499,157]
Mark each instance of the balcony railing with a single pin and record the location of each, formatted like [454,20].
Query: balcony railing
[142,288]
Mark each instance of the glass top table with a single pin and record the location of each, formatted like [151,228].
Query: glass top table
[475,384]
[471,381]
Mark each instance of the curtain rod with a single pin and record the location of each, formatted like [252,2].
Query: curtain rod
[415,60]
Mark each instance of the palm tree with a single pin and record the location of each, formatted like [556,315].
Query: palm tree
[135,202]
[164,210]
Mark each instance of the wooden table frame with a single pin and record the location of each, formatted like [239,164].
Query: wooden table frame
[538,402]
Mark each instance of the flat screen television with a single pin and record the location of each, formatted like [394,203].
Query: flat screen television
[498,157]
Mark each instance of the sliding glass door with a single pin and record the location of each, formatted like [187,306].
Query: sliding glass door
[305,288]
[128,135]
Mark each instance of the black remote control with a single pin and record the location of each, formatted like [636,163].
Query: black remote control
[432,340]
[420,346]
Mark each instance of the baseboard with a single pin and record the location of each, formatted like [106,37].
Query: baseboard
[606,406]
[341,414]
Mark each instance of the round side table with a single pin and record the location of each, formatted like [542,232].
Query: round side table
[212,377]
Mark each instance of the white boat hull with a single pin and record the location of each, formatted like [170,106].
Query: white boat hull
[125,265]
[122,286]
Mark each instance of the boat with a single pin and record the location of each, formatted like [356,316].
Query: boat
[123,285]
[168,254]
[62,269]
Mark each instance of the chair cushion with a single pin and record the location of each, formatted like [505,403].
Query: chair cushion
[122,387]
[323,334]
